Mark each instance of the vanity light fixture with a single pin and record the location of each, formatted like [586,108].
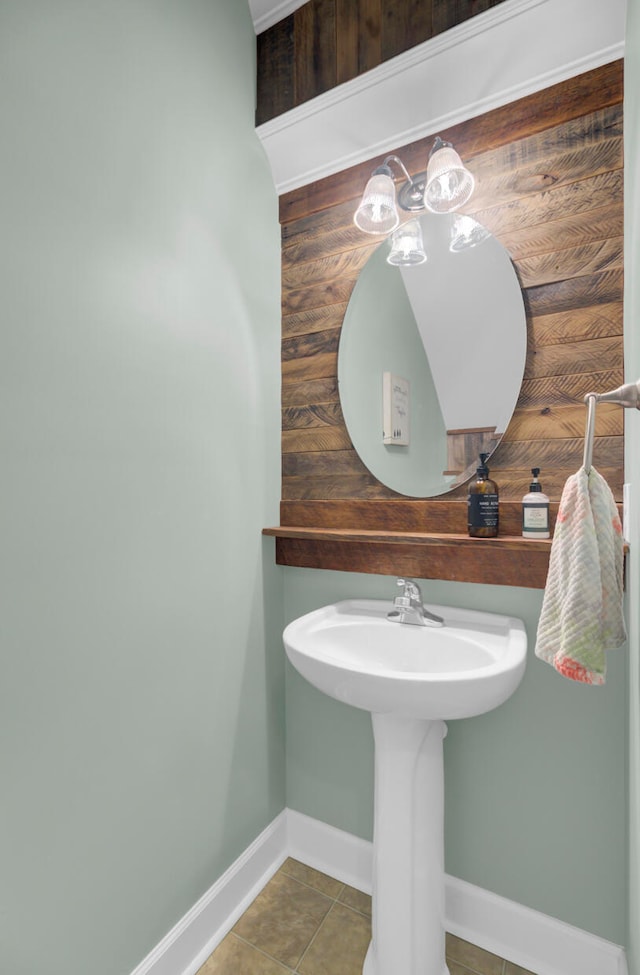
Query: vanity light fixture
[378,213]
[449,182]
[445,186]
[407,248]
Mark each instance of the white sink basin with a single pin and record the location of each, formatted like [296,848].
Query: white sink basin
[353,653]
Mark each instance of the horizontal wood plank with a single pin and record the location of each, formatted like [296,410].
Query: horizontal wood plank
[319,463]
[314,320]
[401,517]
[553,422]
[319,366]
[579,197]
[315,438]
[591,290]
[320,415]
[558,360]
[314,391]
[568,230]
[318,295]
[327,268]
[313,343]
[567,390]
[435,517]
[330,486]
[601,321]
[572,262]
[558,454]
[488,561]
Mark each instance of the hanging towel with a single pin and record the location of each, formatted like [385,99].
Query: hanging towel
[581,614]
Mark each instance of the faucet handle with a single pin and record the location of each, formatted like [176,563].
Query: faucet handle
[411,590]
[409,607]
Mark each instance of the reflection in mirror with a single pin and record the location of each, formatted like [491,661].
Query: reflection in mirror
[432,356]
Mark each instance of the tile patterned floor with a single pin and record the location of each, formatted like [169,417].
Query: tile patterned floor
[306,923]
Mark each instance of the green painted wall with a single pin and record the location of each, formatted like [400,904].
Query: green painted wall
[141,711]
[632,438]
[141,698]
[535,791]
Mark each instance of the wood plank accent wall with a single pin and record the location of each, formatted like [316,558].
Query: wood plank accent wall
[549,181]
[327,42]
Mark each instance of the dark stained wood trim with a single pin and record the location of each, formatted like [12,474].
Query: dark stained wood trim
[402,516]
[456,558]
[508,560]
[325,43]
[274,81]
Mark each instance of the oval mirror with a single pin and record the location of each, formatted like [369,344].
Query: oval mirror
[432,354]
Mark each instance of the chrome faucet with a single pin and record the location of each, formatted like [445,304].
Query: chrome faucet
[409,608]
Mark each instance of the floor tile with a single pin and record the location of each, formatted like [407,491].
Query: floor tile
[306,923]
[235,957]
[356,899]
[476,959]
[339,946]
[283,919]
[313,878]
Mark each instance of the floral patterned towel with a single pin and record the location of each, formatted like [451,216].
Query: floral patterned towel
[581,614]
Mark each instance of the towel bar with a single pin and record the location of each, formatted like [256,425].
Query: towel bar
[627,396]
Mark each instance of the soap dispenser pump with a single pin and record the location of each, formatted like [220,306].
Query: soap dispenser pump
[482,504]
[535,510]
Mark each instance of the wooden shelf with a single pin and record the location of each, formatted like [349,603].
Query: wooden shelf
[426,539]
[508,560]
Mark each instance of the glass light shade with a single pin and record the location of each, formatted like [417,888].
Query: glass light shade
[466,232]
[377,213]
[449,184]
[407,248]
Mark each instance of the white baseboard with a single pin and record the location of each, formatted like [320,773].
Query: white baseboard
[526,937]
[190,942]
[535,941]
[341,855]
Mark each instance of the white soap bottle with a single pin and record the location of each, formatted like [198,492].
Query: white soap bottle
[535,510]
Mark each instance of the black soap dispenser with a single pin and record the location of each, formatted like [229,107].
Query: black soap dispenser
[482,504]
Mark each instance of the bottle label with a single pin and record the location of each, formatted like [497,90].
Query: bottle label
[483,511]
[535,517]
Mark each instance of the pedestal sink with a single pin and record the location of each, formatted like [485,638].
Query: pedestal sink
[411,679]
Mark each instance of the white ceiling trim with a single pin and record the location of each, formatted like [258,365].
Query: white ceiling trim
[512,50]
[265,14]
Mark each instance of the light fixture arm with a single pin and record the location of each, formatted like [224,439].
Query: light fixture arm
[398,161]
[410,196]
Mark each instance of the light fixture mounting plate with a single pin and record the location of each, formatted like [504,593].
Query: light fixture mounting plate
[411,194]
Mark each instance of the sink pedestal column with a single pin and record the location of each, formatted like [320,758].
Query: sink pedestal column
[408,848]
